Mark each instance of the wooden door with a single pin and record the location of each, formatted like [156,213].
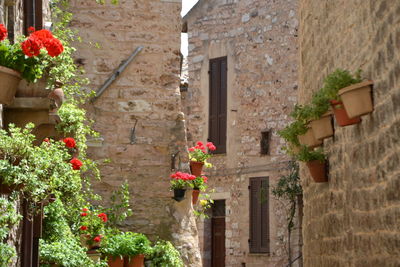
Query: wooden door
[218,241]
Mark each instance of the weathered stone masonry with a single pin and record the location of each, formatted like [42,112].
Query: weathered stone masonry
[259,39]
[353,220]
[146,95]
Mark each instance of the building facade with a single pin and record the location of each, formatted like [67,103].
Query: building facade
[138,116]
[353,220]
[242,86]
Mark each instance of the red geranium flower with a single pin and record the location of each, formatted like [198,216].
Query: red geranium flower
[205,179]
[97,239]
[211,146]
[31,29]
[47,140]
[3,32]
[31,47]
[53,46]
[76,163]
[42,35]
[85,209]
[69,142]
[83,228]
[103,216]
[83,214]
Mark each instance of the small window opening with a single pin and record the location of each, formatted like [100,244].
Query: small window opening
[265,142]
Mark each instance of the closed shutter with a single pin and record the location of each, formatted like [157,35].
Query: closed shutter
[218,103]
[259,215]
[33,15]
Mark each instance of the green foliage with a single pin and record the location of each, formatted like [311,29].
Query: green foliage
[337,80]
[291,132]
[11,56]
[288,186]
[126,244]
[205,204]
[119,209]
[42,170]
[165,255]
[199,183]
[306,154]
[8,218]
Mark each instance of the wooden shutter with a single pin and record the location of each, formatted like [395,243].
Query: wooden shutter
[218,103]
[33,14]
[259,215]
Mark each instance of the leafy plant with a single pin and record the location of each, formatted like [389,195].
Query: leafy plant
[307,154]
[8,218]
[165,255]
[92,225]
[337,80]
[198,153]
[200,183]
[205,204]
[289,188]
[291,132]
[181,180]
[119,209]
[126,244]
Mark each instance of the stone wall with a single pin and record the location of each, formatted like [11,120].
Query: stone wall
[146,98]
[353,220]
[259,39]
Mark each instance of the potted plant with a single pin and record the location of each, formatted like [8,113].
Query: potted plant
[25,59]
[321,123]
[92,228]
[165,254]
[357,99]
[198,185]
[198,157]
[316,163]
[290,134]
[180,181]
[126,249]
[332,84]
[303,114]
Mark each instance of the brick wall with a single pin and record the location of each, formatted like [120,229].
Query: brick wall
[147,93]
[353,220]
[259,39]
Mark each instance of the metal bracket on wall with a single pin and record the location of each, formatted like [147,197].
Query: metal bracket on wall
[133,136]
[118,71]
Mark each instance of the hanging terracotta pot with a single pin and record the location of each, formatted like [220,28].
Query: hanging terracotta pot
[318,171]
[195,196]
[137,261]
[357,99]
[309,140]
[115,261]
[8,86]
[322,128]
[179,194]
[196,168]
[341,115]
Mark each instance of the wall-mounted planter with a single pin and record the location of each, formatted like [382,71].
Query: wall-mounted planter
[318,171]
[8,86]
[179,194]
[195,196]
[322,128]
[357,99]
[309,139]
[196,168]
[341,115]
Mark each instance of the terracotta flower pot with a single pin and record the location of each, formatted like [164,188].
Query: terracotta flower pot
[8,86]
[137,261]
[341,115]
[179,194]
[195,196]
[357,99]
[196,168]
[322,128]
[309,140]
[318,171]
[115,262]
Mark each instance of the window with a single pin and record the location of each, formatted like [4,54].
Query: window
[33,14]
[259,215]
[265,140]
[218,103]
